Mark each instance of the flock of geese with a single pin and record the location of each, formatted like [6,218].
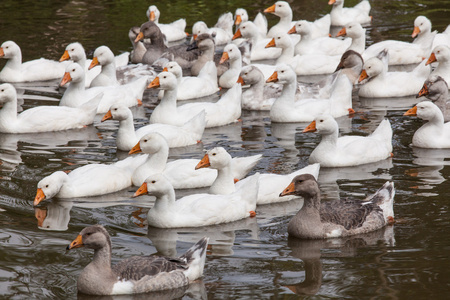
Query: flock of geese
[293,48]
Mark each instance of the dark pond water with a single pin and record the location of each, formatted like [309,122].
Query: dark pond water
[252,258]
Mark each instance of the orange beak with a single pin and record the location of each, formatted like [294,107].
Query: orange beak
[240,80]
[40,196]
[362,76]
[139,37]
[135,149]
[270,9]
[204,163]
[142,190]
[165,69]
[431,59]
[289,190]
[94,63]
[77,243]
[331,2]
[195,36]
[342,32]
[107,116]
[238,20]
[292,30]
[40,215]
[311,127]
[411,112]
[237,34]
[271,44]
[416,31]
[154,83]
[273,77]
[2,53]
[65,79]
[65,56]
[152,16]
[224,58]
[423,91]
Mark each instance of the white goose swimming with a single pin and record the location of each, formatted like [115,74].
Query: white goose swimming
[340,15]
[197,209]
[349,150]
[42,118]
[232,54]
[225,111]
[34,70]
[104,57]
[177,136]
[269,184]
[181,172]
[174,31]
[441,54]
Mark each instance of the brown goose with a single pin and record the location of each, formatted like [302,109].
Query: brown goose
[317,220]
[137,274]
[435,88]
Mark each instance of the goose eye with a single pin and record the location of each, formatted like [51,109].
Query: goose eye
[3,90]
[214,154]
[439,51]
[279,37]
[73,70]
[153,181]
[321,121]
[46,186]
[245,73]
[231,50]
[243,27]
[282,71]
[89,233]
[165,77]
[145,141]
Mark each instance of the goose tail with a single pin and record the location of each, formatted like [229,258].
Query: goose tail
[195,258]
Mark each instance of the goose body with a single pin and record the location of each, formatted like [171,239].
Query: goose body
[340,15]
[137,274]
[338,218]
[176,136]
[269,184]
[76,94]
[42,118]
[286,109]
[34,70]
[378,82]
[181,172]
[197,209]
[434,133]
[225,111]
[174,31]
[349,150]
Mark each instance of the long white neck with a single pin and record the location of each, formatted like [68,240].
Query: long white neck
[110,70]
[14,62]
[286,55]
[164,202]
[358,44]
[73,94]
[126,135]
[224,183]
[236,64]
[8,115]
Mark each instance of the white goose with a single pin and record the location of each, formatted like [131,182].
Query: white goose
[174,31]
[403,53]
[286,109]
[282,9]
[89,180]
[222,32]
[378,82]
[197,209]
[241,16]
[181,173]
[232,54]
[340,15]
[104,57]
[225,111]
[177,136]
[441,54]
[256,97]
[76,94]
[34,70]
[349,150]
[191,87]
[269,184]
[358,35]
[42,118]
[434,133]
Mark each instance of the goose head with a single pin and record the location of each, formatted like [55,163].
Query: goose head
[75,52]
[149,30]
[304,185]
[198,28]
[164,81]
[7,93]
[280,9]
[153,13]
[74,73]
[434,88]
[93,237]
[203,42]
[323,125]
[421,25]
[283,74]
[230,52]
[426,110]
[118,112]
[353,30]
[133,33]
[215,158]
[240,16]
[336,2]
[102,56]
[251,75]
[155,185]
[174,68]
[350,59]
[10,49]
[247,30]
[441,53]
[150,143]
[281,40]
[371,68]
[49,186]
[301,27]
